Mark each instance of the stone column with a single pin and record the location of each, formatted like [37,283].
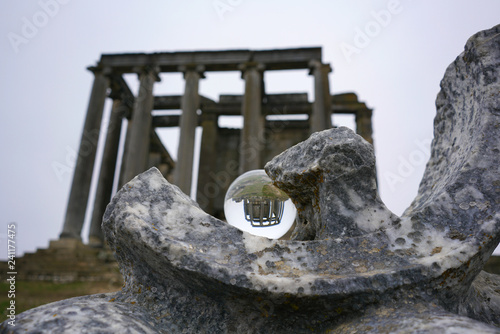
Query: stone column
[190,104]
[80,187]
[321,115]
[107,173]
[364,124]
[137,150]
[121,178]
[252,134]
[208,188]
[154,159]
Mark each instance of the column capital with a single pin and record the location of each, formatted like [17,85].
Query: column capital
[198,68]
[116,92]
[105,70]
[251,65]
[364,113]
[209,116]
[315,64]
[148,69]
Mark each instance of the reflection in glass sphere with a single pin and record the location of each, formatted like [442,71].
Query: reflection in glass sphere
[254,205]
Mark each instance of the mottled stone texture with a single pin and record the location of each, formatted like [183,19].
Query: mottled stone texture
[352,266]
[333,186]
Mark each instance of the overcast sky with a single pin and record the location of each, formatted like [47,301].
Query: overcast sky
[392,54]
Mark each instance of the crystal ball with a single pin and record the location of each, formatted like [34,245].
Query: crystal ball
[254,205]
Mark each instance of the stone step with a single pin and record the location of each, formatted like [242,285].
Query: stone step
[68,260]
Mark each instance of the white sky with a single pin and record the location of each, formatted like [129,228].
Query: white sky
[45,87]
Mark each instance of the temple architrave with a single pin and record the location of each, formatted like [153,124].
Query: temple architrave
[225,152]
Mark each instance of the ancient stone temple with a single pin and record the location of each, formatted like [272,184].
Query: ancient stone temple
[225,152]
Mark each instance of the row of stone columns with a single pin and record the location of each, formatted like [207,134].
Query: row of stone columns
[108,165]
[135,157]
[252,133]
[82,177]
[135,160]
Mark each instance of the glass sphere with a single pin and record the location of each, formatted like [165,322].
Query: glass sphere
[254,205]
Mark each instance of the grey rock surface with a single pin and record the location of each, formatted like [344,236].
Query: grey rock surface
[89,314]
[333,186]
[352,266]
